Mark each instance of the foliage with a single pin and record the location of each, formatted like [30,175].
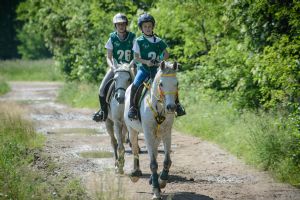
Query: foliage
[190,27]
[32,44]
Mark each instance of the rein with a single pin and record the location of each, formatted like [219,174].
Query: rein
[159,116]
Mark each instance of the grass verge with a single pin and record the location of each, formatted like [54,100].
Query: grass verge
[30,70]
[25,172]
[79,95]
[4,87]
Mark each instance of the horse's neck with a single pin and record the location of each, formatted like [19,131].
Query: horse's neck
[154,91]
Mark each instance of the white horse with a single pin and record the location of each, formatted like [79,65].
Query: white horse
[157,111]
[115,125]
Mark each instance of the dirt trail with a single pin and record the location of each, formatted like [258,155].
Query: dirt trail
[200,170]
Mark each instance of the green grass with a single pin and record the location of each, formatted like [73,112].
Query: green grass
[79,95]
[30,70]
[4,87]
[20,154]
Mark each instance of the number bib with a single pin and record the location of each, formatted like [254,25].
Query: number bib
[149,50]
[122,49]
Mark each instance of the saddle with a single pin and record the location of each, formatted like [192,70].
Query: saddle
[109,90]
[139,95]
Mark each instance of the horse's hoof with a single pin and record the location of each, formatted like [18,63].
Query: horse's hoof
[120,171]
[134,179]
[163,179]
[156,194]
[135,175]
[162,183]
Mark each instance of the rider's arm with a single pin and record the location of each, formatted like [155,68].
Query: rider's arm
[109,58]
[138,58]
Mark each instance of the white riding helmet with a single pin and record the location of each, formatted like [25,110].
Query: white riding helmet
[119,18]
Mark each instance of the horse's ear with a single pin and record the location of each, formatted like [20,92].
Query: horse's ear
[162,65]
[175,65]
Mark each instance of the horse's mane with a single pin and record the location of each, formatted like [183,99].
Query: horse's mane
[123,66]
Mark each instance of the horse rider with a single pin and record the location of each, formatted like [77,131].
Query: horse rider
[148,48]
[119,49]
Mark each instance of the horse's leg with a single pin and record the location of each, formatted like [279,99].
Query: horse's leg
[152,145]
[121,150]
[109,126]
[124,133]
[164,175]
[136,173]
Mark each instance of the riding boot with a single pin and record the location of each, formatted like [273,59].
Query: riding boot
[133,112]
[180,111]
[101,115]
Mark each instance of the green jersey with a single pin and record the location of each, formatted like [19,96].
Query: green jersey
[149,50]
[122,49]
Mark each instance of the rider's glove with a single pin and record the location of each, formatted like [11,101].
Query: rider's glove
[154,62]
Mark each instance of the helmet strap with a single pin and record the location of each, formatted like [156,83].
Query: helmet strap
[152,35]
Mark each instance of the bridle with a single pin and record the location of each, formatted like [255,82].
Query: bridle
[160,116]
[163,93]
[122,88]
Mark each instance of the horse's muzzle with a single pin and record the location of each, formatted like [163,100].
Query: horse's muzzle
[171,107]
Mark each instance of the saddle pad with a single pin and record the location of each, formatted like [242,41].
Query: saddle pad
[139,95]
[110,92]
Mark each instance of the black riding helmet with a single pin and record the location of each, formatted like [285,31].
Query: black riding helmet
[145,18]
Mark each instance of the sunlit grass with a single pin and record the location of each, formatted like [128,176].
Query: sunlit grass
[4,87]
[82,95]
[30,70]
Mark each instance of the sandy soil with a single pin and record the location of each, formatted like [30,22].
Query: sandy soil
[200,170]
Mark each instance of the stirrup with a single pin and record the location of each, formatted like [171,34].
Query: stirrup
[132,113]
[99,116]
[180,111]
